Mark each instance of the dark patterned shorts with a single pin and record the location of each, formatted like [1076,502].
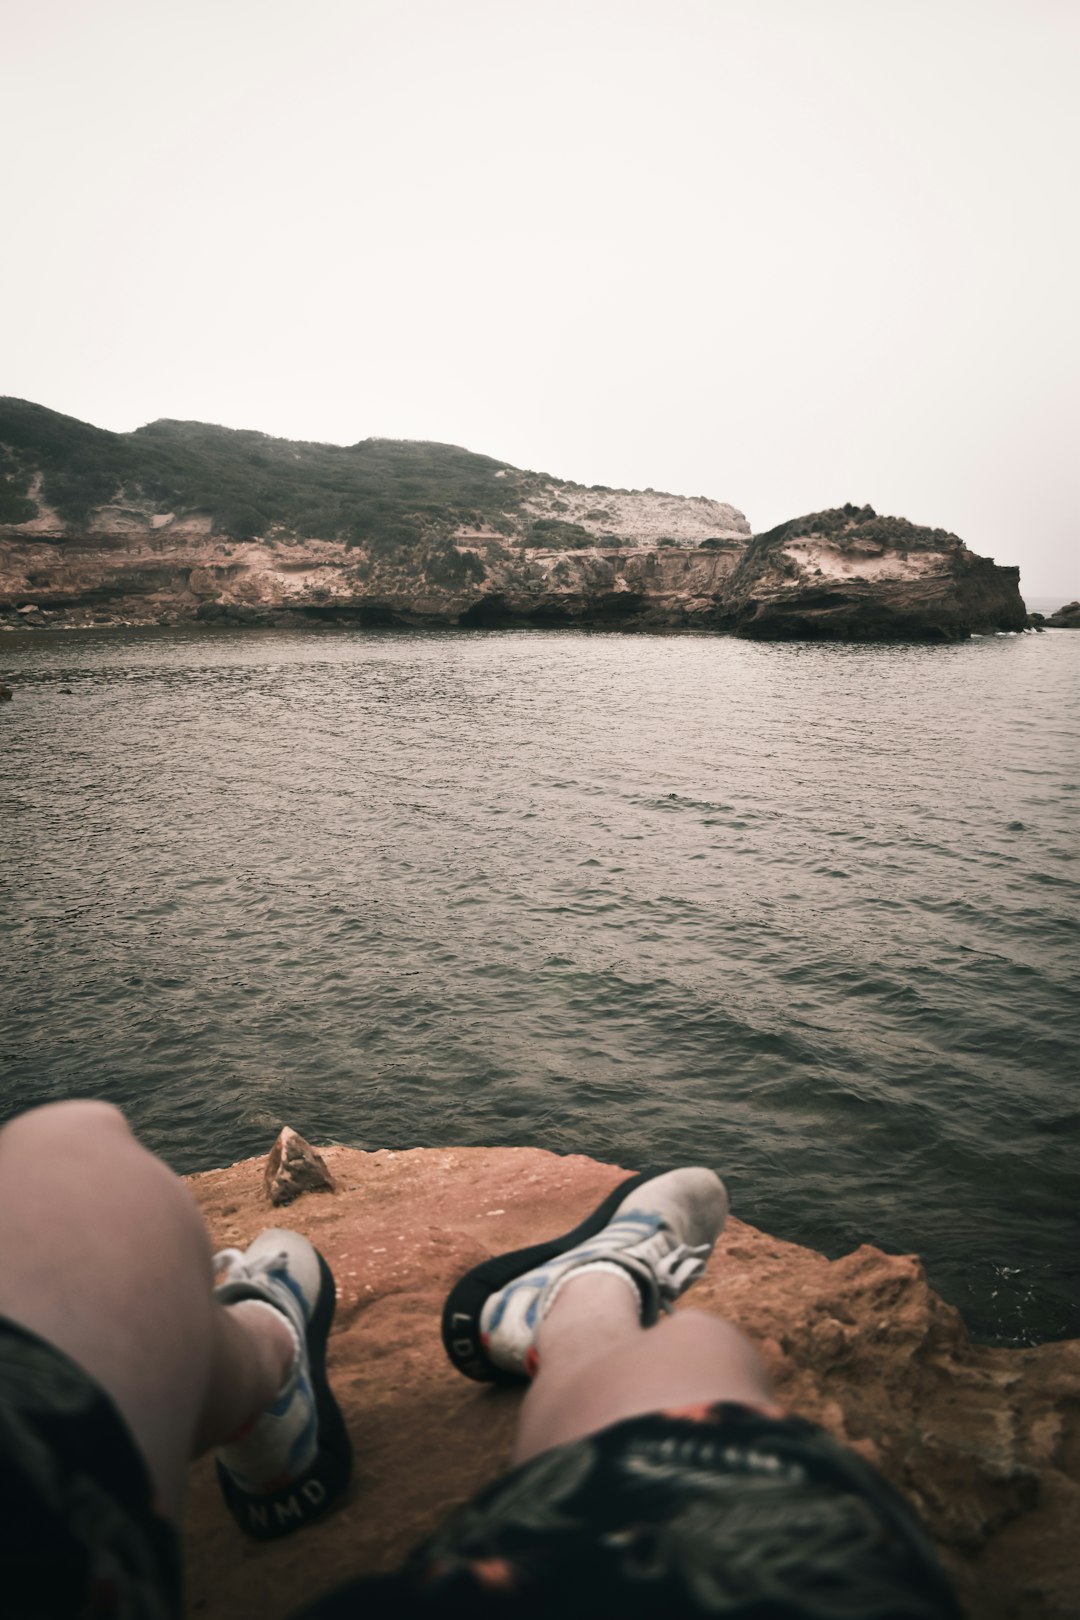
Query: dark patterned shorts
[715,1510]
[79,1536]
[705,1511]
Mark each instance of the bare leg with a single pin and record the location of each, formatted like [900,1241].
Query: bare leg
[597,1365]
[103,1252]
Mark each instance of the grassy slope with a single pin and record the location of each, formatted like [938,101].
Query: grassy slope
[383,492]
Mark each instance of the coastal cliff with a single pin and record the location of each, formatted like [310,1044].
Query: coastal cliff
[853,575]
[184,521]
[985,1442]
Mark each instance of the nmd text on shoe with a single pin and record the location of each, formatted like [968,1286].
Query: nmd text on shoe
[295,1459]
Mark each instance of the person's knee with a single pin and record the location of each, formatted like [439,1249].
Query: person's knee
[77,1120]
[703,1333]
[78,1165]
[691,1324]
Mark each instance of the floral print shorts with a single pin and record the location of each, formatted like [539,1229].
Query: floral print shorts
[79,1535]
[713,1510]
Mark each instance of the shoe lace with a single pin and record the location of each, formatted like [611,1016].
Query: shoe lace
[677,1270]
[238,1268]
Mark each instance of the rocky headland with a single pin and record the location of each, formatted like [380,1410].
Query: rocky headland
[984,1441]
[188,522]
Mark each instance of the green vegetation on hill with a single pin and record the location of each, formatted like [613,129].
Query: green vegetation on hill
[15,482]
[856,525]
[384,493]
[557,535]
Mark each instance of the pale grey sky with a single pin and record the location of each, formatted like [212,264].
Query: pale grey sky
[787,253]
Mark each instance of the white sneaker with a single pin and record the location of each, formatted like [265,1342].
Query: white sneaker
[295,1459]
[659,1229]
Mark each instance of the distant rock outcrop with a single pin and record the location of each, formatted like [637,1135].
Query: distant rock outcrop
[985,1442]
[1066,618]
[850,574]
[182,521]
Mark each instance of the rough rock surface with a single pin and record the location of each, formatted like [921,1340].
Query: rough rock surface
[986,1442]
[848,573]
[1066,618]
[180,572]
[642,517]
[293,1167]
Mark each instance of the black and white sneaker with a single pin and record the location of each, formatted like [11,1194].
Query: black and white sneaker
[294,1460]
[658,1229]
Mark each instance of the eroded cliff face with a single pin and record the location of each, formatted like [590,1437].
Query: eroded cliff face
[533,550]
[138,565]
[985,1442]
[178,570]
[851,575]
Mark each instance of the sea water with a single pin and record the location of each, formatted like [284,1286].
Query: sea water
[807,913]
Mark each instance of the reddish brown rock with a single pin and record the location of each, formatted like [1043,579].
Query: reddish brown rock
[985,1442]
[293,1167]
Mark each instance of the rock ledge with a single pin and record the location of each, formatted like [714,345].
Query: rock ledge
[986,1442]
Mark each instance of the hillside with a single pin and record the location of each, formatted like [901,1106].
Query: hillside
[384,494]
[183,520]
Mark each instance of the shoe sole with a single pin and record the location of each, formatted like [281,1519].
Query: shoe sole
[270,1515]
[466,1300]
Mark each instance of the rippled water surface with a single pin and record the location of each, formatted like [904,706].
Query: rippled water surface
[808,913]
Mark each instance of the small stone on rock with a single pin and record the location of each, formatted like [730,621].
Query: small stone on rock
[293,1167]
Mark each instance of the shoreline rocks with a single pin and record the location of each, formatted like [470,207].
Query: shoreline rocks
[985,1441]
[193,522]
[814,586]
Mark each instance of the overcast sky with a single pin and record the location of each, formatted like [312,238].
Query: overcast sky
[787,253]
